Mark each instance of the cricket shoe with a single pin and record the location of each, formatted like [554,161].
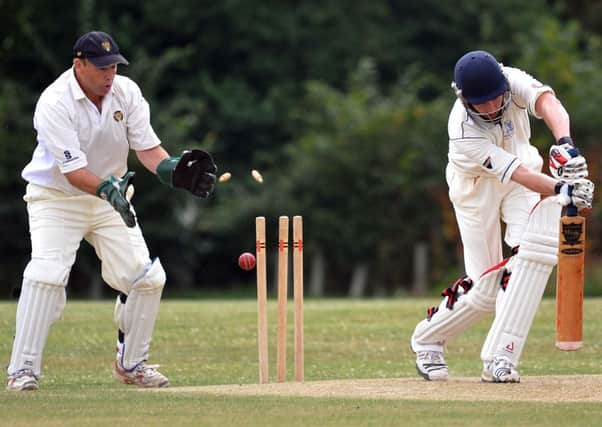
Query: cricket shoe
[500,370]
[142,375]
[431,365]
[22,380]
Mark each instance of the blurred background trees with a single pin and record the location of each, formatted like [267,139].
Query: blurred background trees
[341,105]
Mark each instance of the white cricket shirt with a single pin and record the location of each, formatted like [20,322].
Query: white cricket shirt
[485,149]
[73,134]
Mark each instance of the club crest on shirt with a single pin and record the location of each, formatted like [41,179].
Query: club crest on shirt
[508,129]
[118,116]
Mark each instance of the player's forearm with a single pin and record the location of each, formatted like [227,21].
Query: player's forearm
[534,181]
[84,180]
[151,158]
[554,115]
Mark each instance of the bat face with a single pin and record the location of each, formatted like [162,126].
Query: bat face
[569,283]
[572,236]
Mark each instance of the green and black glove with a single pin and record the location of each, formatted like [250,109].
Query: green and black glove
[194,171]
[113,191]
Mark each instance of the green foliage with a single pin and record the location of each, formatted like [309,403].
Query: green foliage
[562,55]
[342,107]
[567,58]
[363,170]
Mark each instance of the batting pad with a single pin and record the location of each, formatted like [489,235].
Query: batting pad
[136,318]
[471,307]
[41,303]
[537,256]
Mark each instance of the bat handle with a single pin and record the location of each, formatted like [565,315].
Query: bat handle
[571,209]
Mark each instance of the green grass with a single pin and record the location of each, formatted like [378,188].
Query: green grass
[213,342]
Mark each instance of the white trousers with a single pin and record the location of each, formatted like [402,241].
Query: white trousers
[481,204]
[58,223]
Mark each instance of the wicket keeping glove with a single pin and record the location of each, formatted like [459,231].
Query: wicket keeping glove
[194,171]
[566,163]
[579,193]
[113,190]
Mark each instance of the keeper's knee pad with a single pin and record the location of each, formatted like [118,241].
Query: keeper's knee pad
[136,317]
[51,276]
[41,303]
[148,285]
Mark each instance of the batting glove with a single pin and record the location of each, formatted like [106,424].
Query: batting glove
[579,193]
[566,163]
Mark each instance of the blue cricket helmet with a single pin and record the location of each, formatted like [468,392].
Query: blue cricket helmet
[479,77]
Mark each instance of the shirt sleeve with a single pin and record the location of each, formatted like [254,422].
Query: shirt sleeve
[56,130]
[474,149]
[140,133]
[525,88]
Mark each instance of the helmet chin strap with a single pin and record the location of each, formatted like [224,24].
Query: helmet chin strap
[483,117]
[497,114]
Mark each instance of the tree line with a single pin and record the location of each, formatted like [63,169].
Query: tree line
[341,105]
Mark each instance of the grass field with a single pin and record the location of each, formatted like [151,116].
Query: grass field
[212,342]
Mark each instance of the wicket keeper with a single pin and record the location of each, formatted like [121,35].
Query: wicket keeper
[87,121]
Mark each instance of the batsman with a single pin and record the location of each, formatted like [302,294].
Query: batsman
[78,188]
[494,177]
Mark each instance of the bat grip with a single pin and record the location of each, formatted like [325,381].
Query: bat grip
[571,209]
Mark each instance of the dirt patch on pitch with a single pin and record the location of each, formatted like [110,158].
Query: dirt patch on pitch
[566,388]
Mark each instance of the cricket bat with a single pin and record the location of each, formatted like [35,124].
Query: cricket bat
[569,281]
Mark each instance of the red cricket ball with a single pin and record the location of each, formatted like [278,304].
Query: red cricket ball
[246,261]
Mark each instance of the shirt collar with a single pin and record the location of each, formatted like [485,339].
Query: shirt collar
[76,89]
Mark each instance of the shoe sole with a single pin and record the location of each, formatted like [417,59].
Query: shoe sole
[494,381]
[423,375]
[427,376]
[25,387]
[127,381]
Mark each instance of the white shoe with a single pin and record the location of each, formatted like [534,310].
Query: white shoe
[431,365]
[500,370]
[21,380]
[142,375]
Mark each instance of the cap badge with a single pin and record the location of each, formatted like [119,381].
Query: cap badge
[106,45]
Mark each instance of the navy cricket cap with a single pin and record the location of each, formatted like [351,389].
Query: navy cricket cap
[99,48]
